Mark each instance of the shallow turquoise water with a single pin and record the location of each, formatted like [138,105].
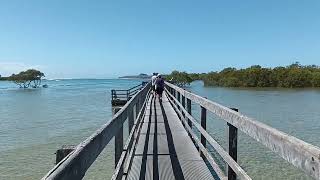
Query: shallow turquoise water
[36,122]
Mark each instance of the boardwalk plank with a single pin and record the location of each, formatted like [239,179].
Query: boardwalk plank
[164,149]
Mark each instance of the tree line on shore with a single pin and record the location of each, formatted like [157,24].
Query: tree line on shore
[292,76]
[26,79]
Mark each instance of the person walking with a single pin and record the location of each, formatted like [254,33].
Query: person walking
[153,83]
[159,87]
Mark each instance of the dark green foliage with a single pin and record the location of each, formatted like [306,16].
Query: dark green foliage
[26,79]
[4,78]
[180,78]
[291,76]
[315,81]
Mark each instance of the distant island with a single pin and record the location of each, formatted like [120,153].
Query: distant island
[140,76]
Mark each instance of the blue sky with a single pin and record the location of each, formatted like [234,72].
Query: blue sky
[100,39]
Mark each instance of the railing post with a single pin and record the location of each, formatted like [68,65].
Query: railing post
[128,95]
[112,96]
[189,111]
[183,103]
[172,91]
[63,152]
[137,108]
[130,118]
[118,140]
[179,100]
[232,147]
[140,103]
[203,124]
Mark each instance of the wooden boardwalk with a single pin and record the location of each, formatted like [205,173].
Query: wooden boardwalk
[163,137]
[164,149]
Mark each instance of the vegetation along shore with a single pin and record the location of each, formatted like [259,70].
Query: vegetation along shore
[292,76]
[25,79]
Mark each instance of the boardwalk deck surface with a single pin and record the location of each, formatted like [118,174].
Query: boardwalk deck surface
[164,149]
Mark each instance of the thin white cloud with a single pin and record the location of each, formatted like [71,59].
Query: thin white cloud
[8,68]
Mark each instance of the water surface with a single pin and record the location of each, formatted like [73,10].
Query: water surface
[34,123]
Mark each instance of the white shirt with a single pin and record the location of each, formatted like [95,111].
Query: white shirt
[153,80]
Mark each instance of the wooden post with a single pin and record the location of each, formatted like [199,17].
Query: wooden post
[118,140]
[128,95]
[188,108]
[189,111]
[183,103]
[232,147]
[179,100]
[140,103]
[172,91]
[130,118]
[63,152]
[112,95]
[137,108]
[118,145]
[203,124]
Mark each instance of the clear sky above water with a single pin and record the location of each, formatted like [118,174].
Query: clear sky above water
[100,39]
